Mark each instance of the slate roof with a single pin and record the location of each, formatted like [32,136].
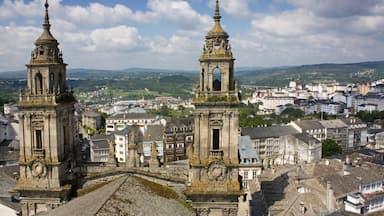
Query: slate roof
[309,124]
[100,144]
[306,138]
[335,123]
[91,114]
[266,132]
[153,133]
[132,116]
[179,122]
[344,184]
[246,150]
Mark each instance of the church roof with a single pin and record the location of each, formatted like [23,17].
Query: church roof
[217,30]
[46,36]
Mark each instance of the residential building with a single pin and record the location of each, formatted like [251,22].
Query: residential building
[331,108]
[375,138]
[303,148]
[3,129]
[178,136]
[249,170]
[371,100]
[92,119]
[123,138]
[153,133]
[311,127]
[120,121]
[357,133]
[369,196]
[269,142]
[250,165]
[271,103]
[99,147]
[337,131]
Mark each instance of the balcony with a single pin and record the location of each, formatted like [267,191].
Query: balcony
[216,154]
[38,152]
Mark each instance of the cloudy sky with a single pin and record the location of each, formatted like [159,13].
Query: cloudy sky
[117,34]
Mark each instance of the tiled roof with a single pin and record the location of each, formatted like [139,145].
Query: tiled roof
[265,132]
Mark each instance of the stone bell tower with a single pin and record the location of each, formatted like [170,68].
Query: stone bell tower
[214,185]
[49,155]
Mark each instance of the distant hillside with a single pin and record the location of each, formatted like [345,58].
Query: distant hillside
[355,72]
[142,82]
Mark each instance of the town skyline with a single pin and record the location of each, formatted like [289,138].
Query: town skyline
[119,34]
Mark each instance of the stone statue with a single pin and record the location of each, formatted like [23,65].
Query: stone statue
[154,162]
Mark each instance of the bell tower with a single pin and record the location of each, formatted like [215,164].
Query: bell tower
[214,186]
[49,155]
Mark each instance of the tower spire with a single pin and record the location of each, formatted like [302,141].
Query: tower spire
[46,24]
[217,16]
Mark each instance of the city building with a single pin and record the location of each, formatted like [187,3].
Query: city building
[357,133]
[269,142]
[129,146]
[92,120]
[49,153]
[271,103]
[375,138]
[250,165]
[279,145]
[249,170]
[120,121]
[213,187]
[99,147]
[178,136]
[370,100]
[337,131]
[311,127]
[153,133]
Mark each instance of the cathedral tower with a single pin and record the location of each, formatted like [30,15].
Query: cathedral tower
[49,154]
[214,186]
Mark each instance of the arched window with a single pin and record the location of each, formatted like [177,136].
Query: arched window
[59,83]
[39,83]
[216,74]
[51,82]
[202,79]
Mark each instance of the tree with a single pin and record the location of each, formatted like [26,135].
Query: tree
[330,147]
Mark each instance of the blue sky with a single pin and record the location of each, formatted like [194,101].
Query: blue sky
[117,34]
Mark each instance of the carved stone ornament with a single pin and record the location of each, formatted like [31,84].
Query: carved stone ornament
[216,171]
[215,122]
[38,169]
[230,212]
[202,211]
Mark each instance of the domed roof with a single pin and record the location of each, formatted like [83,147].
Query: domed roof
[46,36]
[217,30]
[46,50]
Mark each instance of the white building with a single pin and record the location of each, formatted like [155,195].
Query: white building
[369,199]
[123,138]
[120,121]
[270,103]
[278,145]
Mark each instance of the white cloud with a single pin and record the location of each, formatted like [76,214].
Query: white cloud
[340,8]
[115,39]
[180,12]
[237,8]
[290,23]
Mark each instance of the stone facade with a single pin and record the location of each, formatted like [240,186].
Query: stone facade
[214,164]
[49,155]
